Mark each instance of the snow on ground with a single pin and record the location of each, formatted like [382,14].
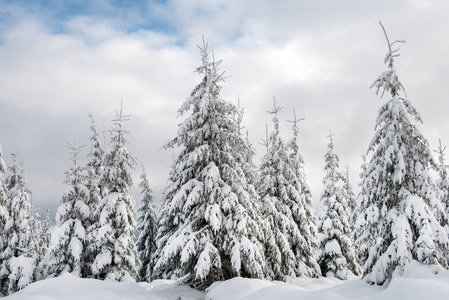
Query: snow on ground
[418,282]
[69,287]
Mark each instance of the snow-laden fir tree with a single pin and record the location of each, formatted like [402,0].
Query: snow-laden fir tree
[147,225]
[44,238]
[301,205]
[396,223]
[209,223]
[68,238]
[18,257]
[287,251]
[36,242]
[443,181]
[336,253]
[351,198]
[93,182]
[3,211]
[247,152]
[114,231]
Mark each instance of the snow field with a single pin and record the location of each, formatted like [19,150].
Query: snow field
[418,282]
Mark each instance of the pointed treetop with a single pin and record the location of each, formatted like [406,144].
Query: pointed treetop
[240,112]
[295,120]
[267,141]
[74,150]
[440,150]
[389,80]
[330,137]
[120,116]
[391,53]
[275,109]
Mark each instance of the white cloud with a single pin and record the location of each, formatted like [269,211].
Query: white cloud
[318,56]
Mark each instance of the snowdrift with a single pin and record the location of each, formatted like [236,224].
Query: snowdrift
[416,283]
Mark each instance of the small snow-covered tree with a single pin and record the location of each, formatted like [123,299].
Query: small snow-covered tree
[443,181]
[396,223]
[146,243]
[44,238]
[350,196]
[336,252]
[68,238]
[114,231]
[287,251]
[94,184]
[19,258]
[209,223]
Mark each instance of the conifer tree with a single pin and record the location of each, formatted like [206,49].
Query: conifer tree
[72,216]
[336,253]
[301,205]
[3,212]
[443,181]
[19,261]
[44,238]
[397,222]
[146,243]
[209,223]
[116,258]
[287,251]
[36,242]
[95,169]
[351,199]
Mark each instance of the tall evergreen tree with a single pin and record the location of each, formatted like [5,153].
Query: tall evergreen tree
[301,205]
[95,168]
[396,222]
[146,243]
[336,253]
[3,212]
[209,223]
[288,252]
[19,261]
[116,259]
[68,240]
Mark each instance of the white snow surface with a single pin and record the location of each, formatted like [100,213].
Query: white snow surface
[417,282]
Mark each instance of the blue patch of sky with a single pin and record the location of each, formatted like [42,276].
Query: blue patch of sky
[131,15]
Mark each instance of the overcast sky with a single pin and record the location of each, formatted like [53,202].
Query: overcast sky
[61,60]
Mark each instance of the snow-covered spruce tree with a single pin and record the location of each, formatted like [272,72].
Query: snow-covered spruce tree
[3,211]
[19,261]
[146,243]
[350,196]
[336,252]
[116,258]
[301,204]
[36,242]
[287,251]
[247,152]
[396,223]
[209,223]
[68,237]
[93,182]
[443,181]
[44,238]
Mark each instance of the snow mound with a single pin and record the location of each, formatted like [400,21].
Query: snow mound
[69,287]
[417,282]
